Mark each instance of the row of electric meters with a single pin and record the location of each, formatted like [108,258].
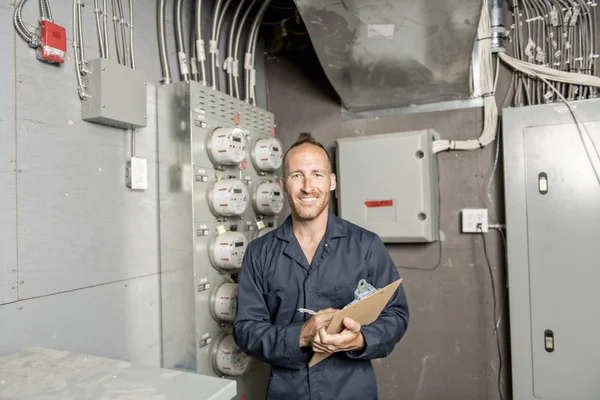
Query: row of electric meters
[228,359]
[230,198]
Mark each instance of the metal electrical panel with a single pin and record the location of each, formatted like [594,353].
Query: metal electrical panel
[117,95]
[218,161]
[553,226]
[388,184]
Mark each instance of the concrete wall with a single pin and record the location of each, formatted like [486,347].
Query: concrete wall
[79,265]
[449,351]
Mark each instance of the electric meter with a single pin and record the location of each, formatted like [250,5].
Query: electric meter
[268,199]
[227,146]
[228,358]
[262,232]
[267,154]
[223,301]
[227,250]
[228,197]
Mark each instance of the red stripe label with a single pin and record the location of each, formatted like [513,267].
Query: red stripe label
[379,203]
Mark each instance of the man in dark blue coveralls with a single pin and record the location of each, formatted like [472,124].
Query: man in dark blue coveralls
[314,260]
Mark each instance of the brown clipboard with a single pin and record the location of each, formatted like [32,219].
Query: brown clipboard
[364,312]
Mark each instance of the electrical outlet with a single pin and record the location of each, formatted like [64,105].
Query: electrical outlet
[471,217]
[136,174]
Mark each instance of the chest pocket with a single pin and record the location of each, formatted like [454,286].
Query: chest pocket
[276,304]
[343,294]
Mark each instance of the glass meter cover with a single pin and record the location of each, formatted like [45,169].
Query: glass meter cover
[268,199]
[227,146]
[267,154]
[228,197]
[228,358]
[227,250]
[223,301]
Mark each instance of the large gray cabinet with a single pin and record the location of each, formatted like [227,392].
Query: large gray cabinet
[553,227]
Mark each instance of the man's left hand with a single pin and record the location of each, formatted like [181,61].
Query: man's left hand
[349,339]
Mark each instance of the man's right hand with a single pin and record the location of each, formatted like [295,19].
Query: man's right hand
[314,323]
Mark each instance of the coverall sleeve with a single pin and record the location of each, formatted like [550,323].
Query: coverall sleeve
[253,330]
[382,335]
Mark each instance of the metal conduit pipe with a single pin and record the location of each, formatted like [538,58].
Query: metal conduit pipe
[162,42]
[76,44]
[105,28]
[200,53]
[236,50]
[497,22]
[116,31]
[218,36]
[192,50]
[183,67]
[213,45]
[131,42]
[48,11]
[123,34]
[248,62]
[99,29]
[230,56]
[20,26]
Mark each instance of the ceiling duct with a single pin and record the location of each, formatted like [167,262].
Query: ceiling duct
[382,54]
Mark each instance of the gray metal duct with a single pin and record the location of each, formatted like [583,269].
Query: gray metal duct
[394,53]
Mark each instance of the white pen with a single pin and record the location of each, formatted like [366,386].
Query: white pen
[307,311]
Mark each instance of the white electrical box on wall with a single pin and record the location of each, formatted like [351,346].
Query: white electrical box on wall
[388,184]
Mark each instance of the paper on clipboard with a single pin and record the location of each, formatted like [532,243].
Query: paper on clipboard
[364,312]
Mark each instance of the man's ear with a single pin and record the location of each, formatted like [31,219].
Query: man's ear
[282,184]
[333,182]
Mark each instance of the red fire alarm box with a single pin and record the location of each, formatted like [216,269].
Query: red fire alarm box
[53,42]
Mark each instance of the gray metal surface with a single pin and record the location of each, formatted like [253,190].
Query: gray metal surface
[7,101]
[383,54]
[414,109]
[59,375]
[393,190]
[553,252]
[117,320]
[188,114]
[117,95]
[75,212]
[571,203]
[8,238]
[175,231]
[68,243]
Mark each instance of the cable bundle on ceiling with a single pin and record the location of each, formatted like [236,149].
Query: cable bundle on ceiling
[555,39]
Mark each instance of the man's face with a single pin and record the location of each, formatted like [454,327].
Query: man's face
[308,182]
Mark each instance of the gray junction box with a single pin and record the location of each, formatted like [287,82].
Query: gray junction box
[388,184]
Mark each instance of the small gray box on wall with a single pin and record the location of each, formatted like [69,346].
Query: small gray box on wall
[388,184]
[117,95]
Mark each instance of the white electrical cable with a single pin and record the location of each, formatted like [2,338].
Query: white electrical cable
[488,88]
[550,74]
